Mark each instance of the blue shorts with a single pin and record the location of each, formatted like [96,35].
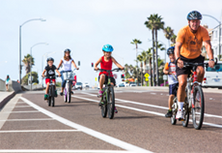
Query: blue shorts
[173,89]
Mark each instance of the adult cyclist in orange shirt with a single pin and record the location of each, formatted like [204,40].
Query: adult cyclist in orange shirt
[188,49]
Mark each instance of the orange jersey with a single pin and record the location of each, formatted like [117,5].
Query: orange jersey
[192,43]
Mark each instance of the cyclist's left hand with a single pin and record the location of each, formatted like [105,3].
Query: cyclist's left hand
[122,68]
[77,68]
[211,64]
[59,75]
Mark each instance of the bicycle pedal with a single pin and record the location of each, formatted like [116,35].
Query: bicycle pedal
[181,119]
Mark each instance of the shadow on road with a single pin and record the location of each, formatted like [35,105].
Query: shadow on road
[133,117]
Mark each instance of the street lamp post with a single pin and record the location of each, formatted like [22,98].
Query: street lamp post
[31,59]
[219,32]
[20,46]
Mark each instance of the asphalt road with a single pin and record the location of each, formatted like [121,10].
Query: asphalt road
[27,124]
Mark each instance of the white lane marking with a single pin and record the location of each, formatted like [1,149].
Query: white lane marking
[96,134]
[22,112]
[154,106]
[30,131]
[153,93]
[145,111]
[17,106]
[34,119]
[78,151]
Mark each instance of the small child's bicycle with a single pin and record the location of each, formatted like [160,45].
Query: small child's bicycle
[107,102]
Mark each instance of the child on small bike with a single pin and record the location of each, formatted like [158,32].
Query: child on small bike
[170,70]
[50,73]
[106,62]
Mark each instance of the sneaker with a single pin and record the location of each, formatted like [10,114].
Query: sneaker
[61,93]
[46,96]
[115,110]
[100,93]
[168,114]
[179,115]
[56,95]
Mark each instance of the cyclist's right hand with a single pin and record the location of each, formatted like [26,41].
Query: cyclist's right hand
[180,63]
[96,68]
[43,75]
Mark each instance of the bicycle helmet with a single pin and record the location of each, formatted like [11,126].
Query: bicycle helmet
[67,50]
[107,48]
[170,50]
[194,15]
[50,59]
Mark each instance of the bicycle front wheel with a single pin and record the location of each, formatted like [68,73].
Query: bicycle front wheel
[104,106]
[186,111]
[111,102]
[198,107]
[53,96]
[69,93]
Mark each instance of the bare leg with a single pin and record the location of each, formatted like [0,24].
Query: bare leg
[101,81]
[200,73]
[6,87]
[47,88]
[170,101]
[182,79]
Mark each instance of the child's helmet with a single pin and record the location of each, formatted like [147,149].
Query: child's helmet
[50,59]
[107,48]
[67,50]
[170,50]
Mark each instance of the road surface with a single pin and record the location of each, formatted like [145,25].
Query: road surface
[27,124]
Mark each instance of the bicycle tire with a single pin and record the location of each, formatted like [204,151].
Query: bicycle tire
[49,98]
[186,112]
[198,124]
[69,93]
[110,102]
[173,118]
[104,106]
[65,96]
[53,96]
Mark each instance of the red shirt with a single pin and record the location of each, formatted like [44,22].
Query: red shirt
[106,66]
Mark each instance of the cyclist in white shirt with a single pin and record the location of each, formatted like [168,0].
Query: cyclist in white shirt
[67,63]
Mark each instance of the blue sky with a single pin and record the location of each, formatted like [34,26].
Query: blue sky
[85,26]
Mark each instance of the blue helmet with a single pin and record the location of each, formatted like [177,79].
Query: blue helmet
[107,48]
[194,15]
[170,50]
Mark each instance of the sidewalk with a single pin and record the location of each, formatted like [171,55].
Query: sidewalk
[5,97]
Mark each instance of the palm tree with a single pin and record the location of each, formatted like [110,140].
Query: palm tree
[136,42]
[26,62]
[168,33]
[149,57]
[173,39]
[140,58]
[155,23]
[150,25]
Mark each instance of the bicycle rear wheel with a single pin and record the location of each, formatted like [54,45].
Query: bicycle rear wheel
[104,106]
[110,102]
[53,96]
[198,107]
[174,112]
[65,95]
[186,112]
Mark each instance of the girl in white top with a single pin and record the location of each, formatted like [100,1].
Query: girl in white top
[67,62]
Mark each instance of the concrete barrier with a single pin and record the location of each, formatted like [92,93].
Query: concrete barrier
[2,85]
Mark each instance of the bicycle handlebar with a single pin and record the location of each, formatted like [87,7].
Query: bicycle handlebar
[116,69]
[186,64]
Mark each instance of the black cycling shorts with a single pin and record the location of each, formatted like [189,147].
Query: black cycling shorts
[106,79]
[187,70]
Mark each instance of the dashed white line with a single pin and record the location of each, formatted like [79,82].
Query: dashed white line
[96,134]
[34,119]
[34,131]
[64,151]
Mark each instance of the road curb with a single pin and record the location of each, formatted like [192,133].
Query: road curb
[6,100]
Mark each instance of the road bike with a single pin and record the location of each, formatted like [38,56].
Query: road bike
[194,99]
[107,102]
[69,77]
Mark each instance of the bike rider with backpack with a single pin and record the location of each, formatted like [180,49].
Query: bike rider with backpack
[188,49]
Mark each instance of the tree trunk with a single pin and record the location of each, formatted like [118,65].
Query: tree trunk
[157,71]
[141,65]
[150,71]
[137,70]
[153,66]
